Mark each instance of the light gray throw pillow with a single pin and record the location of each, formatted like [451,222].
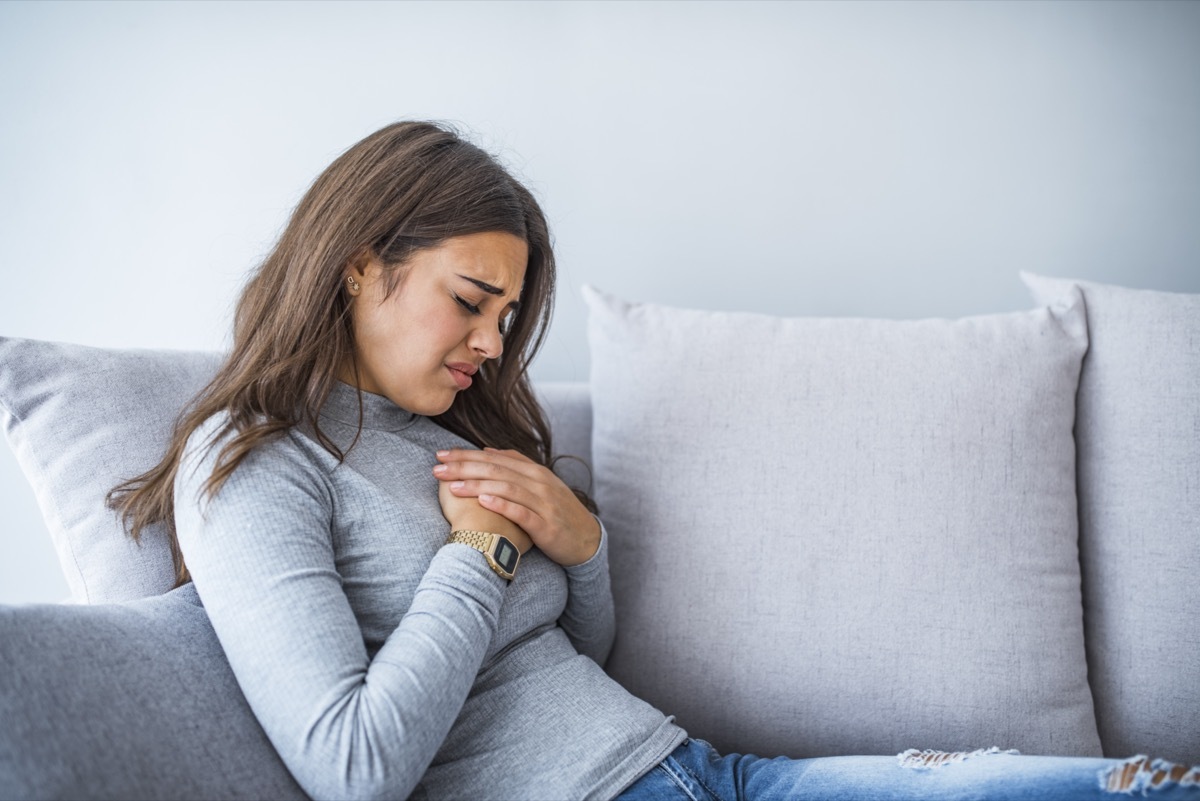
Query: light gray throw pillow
[1138,432]
[129,701]
[80,420]
[845,536]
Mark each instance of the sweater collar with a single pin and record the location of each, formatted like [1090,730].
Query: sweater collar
[377,411]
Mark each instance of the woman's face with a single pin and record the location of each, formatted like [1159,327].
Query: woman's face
[420,346]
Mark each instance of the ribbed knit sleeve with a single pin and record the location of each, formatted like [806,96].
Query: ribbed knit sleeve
[261,556]
[589,619]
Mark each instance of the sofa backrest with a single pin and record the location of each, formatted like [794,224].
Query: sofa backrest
[81,418]
[568,408]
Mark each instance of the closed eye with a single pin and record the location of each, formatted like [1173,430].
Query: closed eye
[502,325]
[471,307]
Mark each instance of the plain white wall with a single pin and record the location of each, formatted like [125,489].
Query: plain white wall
[897,159]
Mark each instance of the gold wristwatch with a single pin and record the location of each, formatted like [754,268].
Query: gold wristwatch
[502,556]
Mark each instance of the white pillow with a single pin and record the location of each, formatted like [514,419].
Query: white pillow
[1138,431]
[845,536]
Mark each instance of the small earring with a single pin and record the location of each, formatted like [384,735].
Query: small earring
[354,285]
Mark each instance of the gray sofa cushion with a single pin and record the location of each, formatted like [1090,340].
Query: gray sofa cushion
[1139,493]
[841,536]
[568,408]
[129,701]
[80,420]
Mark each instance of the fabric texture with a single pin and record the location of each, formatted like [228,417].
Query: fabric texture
[845,536]
[1138,433]
[130,701]
[81,420]
[374,655]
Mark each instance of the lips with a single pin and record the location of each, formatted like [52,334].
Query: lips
[461,372]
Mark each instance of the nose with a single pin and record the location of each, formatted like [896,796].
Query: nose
[485,340]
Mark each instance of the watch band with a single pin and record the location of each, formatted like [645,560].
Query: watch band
[502,556]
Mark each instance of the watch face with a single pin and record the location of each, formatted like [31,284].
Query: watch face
[506,555]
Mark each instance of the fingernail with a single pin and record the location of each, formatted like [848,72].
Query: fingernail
[456,485]
[441,468]
[485,498]
[443,454]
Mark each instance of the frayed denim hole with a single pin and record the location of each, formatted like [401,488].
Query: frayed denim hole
[930,759]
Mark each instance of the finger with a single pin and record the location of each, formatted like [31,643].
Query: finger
[478,464]
[532,523]
[517,493]
[474,469]
[514,454]
[485,455]
[461,471]
[456,471]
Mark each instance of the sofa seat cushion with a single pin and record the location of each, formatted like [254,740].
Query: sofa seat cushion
[845,536]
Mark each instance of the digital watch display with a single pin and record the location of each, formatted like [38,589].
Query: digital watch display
[502,556]
[506,555]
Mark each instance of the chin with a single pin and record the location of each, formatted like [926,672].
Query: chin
[437,411]
[436,407]
[427,404]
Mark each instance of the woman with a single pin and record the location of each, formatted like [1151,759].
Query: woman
[376,391]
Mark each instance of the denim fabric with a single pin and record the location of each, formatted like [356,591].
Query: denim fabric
[696,772]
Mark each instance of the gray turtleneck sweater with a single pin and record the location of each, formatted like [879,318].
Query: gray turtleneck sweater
[383,663]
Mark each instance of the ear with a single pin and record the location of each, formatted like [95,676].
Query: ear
[358,264]
[362,270]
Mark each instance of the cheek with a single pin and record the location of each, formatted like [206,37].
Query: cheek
[441,333]
[406,336]
[386,341]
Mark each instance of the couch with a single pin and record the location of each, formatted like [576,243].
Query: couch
[828,536]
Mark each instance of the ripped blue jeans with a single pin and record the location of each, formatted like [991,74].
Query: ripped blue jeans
[696,772]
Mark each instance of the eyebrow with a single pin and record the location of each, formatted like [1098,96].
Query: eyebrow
[488,288]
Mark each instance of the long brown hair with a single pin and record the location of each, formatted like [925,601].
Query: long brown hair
[404,188]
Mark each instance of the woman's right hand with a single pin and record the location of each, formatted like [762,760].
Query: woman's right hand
[467,514]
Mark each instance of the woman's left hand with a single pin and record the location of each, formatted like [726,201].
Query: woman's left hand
[530,495]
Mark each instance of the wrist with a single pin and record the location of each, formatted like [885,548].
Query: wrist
[589,546]
[501,553]
[494,524]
